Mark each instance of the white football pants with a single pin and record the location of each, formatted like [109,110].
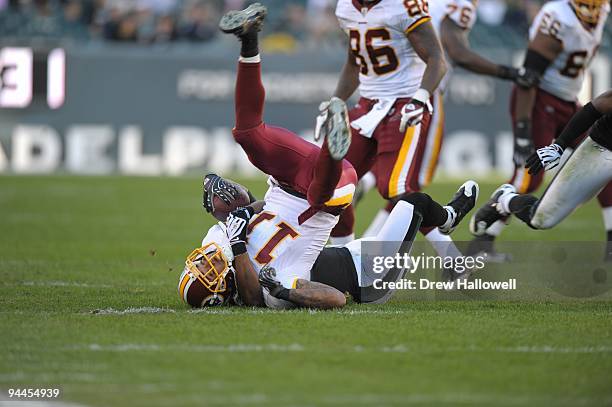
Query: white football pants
[584,174]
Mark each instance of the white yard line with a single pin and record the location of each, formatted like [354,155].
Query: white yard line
[56,284]
[231,348]
[372,399]
[295,347]
[132,310]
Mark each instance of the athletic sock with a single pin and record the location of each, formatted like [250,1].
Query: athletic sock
[504,202]
[250,45]
[250,60]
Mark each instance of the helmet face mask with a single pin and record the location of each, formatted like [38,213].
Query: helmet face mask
[210,266]
[588,11]
[208,278]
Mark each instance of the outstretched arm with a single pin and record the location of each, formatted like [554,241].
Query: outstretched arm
[585,118]
[455,41]
[549,157]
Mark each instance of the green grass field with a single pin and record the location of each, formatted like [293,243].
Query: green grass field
[70,246]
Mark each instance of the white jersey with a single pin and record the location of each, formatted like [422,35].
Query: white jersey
[390,67]
[460,12]
[565,75]
[276,237]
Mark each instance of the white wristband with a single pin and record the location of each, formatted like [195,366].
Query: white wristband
[250,60]
[422,95]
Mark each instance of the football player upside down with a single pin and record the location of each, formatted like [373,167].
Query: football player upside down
[271,253]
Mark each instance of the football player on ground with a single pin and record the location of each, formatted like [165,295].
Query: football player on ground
[395,59]
[453,21]
[585,173]
[269,259]
[564,38]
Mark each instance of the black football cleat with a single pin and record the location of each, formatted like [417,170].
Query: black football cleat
[489,213]
[242,22]
[461,204]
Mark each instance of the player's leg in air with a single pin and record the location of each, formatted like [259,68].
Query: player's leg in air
[317,173]
[587,172]
[576,183]
[342,267]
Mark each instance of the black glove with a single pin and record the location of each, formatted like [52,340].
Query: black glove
[523,143]
[214,185]
[237,225]
[508,72]
[526,78]
[521,76]
[267,279]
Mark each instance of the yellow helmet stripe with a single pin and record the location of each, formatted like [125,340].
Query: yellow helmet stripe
[184,282]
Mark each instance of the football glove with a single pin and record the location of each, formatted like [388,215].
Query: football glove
[546,157]
[526,78]
[522,77]
[508,72]
[321,119]
[412,112]
[267,279]
[214,185]
[523,143]
[236,229]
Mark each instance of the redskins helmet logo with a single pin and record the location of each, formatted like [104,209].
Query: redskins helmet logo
[213,300]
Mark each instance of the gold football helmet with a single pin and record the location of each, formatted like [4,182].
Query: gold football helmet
[588,11]
[207,279]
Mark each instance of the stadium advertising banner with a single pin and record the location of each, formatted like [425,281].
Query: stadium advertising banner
[153,112]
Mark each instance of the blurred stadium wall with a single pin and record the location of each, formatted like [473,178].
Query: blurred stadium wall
[127,109]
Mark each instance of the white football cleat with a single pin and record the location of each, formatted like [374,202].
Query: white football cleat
[337,129]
